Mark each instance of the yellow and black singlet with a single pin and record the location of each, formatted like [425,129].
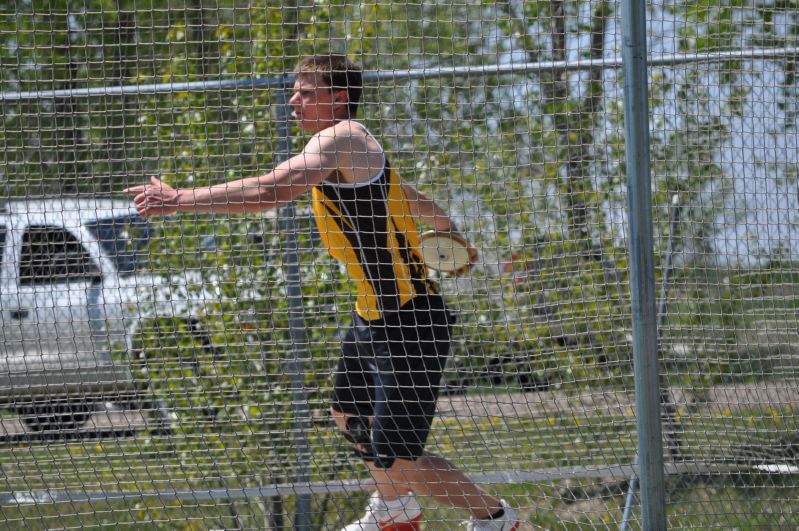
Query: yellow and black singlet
[368,227]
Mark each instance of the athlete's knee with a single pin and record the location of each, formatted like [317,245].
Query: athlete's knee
[357,430]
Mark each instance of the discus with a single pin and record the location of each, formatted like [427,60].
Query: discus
[445,252]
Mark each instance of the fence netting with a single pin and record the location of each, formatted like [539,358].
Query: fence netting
[177,372]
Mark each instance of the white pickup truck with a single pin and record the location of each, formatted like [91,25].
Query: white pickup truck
[70,289]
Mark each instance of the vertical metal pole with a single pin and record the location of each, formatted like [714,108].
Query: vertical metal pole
[670,410]
[299,336]
[642,273]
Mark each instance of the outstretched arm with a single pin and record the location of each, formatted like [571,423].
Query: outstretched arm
[289,179]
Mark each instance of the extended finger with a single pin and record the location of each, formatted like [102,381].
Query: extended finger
[142,197]
[147,210]
[134,190]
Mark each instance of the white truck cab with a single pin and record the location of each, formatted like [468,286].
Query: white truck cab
[69,289]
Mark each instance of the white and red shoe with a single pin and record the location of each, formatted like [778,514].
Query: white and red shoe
[402,514]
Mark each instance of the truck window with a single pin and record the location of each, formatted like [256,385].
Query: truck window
[53,254]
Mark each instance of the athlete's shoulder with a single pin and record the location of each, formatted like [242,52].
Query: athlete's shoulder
[345,136]
[345,129]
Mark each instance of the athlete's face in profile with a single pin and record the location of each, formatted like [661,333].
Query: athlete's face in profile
[315,105]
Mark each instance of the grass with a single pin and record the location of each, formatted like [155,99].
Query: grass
[720,318]
[145,463]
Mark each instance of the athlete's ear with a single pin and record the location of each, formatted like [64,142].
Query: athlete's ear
[341,96]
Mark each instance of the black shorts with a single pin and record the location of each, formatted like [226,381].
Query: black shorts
[391,370]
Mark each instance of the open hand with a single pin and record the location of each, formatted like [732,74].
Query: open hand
[154,199]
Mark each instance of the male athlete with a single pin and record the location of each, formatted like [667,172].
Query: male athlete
[387,379]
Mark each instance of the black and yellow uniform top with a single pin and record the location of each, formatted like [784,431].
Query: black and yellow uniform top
[368,227]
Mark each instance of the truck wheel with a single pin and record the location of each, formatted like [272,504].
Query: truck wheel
[56,416]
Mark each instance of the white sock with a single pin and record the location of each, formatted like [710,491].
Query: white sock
[398,503]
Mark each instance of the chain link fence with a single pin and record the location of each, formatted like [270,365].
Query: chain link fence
[176,372]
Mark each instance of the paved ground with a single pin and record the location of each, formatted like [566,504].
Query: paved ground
[731,398]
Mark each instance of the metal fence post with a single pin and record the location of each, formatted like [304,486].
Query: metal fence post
[299,336]
[642,274]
